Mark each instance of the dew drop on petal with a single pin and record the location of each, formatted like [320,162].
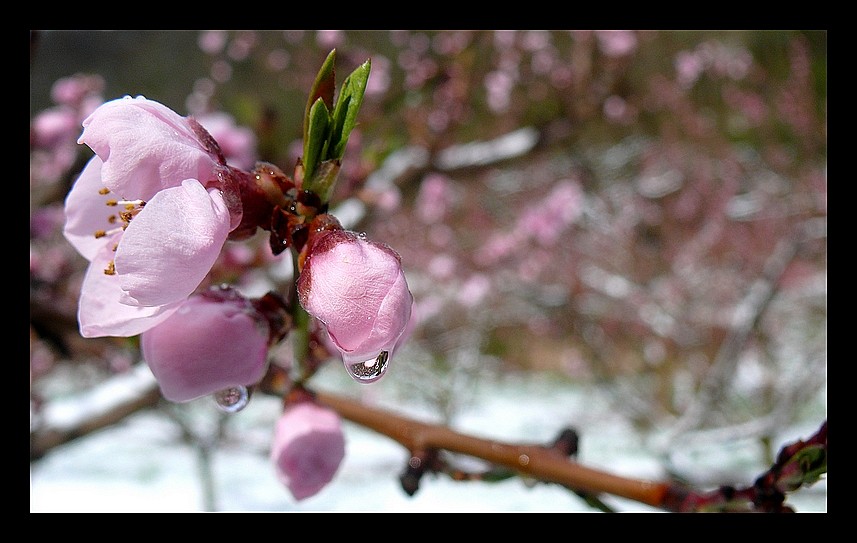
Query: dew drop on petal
[370,370]
[232,399]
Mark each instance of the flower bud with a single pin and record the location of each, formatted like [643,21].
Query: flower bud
[210,343]
[307,448]
[357,289]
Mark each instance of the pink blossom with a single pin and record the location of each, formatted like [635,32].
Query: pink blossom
[434,198]
[560,208]
[148,213]
[358,290]
[308,448]
[616,43]
[209,343]
[54,126]
[76,90]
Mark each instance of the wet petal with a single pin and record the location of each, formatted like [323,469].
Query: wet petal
[358,290]
[206,346]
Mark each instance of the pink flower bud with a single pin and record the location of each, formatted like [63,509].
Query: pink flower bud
[308,447]
[357,289]
[209,343]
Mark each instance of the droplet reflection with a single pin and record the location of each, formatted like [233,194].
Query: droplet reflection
[233,399]
[369,371]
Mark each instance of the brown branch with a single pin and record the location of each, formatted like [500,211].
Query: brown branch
[531,460]
[48,436]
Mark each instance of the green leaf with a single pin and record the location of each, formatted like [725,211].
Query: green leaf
[316,140]
[347,106]
[813,463]
[323,179]
[322,88]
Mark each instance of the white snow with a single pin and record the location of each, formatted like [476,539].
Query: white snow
[141,465]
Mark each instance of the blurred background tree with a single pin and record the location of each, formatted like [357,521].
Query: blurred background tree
[638,211]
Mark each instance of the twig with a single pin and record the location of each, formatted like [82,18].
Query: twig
[106,405]
[530,460]
[746,315]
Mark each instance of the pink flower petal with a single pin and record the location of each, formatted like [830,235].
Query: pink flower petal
[358,290]
[171,245]
[145,147]
[308,448]
[204,346]
[87,212]
[101,314]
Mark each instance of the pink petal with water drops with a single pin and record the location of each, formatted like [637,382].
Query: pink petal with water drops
[358,290]
[206,346]
[170,246]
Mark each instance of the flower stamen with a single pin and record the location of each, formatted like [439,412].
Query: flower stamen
[132,208]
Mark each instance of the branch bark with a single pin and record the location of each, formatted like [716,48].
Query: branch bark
[531,460]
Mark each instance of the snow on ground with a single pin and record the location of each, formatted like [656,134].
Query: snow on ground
[141,465]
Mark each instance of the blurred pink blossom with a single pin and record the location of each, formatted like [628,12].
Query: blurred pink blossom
[688,67]
[238,143]
[358,290]
[76,91]
[379,83]
[308,448]
[330,38]
[208,344]
[55,126]
[474,290]
[54,131]
[559,209]
[616,43]
[434,198]
[212,41]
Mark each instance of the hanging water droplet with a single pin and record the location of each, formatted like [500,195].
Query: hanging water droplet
[369,371]
[232,399]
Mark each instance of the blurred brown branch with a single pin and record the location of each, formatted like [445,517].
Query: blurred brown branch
[140,392]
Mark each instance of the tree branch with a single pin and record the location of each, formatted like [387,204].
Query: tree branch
[531,460]
[102,407]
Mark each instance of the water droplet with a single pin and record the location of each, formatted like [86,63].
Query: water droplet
[232,399]
[362,236]
[369,371]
